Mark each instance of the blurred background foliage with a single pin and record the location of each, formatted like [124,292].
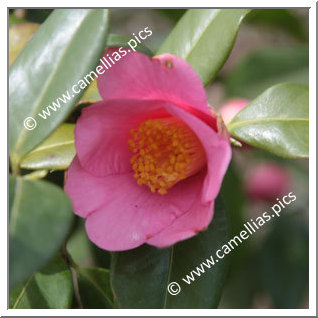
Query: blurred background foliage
[269,270]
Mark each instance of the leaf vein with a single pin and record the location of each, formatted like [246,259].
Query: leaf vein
[245,122]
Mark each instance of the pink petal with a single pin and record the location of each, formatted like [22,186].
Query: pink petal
[87,192]
[268,181]
[231,108]
[217,148]
[165,77]
[102,133]
[132,214]
[189,224]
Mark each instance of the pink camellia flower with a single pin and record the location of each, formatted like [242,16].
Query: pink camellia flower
[267,181]
[150,157]
[231,108]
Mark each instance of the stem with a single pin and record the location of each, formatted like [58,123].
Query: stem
[73,268]
[15,167]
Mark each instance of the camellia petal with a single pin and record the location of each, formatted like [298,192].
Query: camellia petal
[217,149]
[102,132]
[86,191]
[189,224]
[165,77]
[132,214]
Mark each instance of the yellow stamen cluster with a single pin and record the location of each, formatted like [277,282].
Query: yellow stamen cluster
[165,151]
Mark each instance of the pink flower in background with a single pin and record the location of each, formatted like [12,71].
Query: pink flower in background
[267,181]
[231,108]
[151,156]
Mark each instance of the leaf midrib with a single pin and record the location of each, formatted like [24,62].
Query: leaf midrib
[19,298]
[267,119]
[25,287]
[169,276]
[56,145]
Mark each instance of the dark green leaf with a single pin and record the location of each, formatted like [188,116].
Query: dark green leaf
[276,121]
[40,218]
[173,14]
[284,19]
[204,38]
[205,292]
[66,47]
[56,152]
[268,67]
[49,288]
[284,262]
[140,277]
[94,288]
[38,15]
[102,258]
[242,267]
[232,192]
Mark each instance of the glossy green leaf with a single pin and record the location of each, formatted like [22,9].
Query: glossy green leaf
[206,291]
[91,94]
[94,288]
[140,277]
[40,219]
[49,288]
[267,67]
[38,174]
[56,152]
[19,36]
[66,48]
[276,121]
[204,38]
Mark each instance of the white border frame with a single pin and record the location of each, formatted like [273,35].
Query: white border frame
[312,166]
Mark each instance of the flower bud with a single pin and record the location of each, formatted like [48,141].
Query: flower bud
[268,181]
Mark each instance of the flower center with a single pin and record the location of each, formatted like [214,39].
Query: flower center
[165,151]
